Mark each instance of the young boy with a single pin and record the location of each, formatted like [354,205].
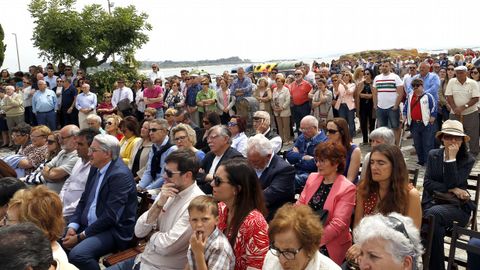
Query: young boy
[209,248]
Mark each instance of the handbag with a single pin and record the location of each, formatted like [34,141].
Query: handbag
[447,198]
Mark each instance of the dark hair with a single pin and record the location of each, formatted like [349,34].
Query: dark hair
[213,118]
[241,123]
[416,81]
[89,134]
[24,245]
[186,161]
[342,126]
[370,71]
[249,194]
[8,187]
[333,152]
[396,199]
[22,128]
[131,123]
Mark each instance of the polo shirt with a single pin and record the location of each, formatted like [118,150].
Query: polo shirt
[299,92]
[462,93]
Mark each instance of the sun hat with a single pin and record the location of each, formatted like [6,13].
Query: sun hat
[461,68]
[452,127]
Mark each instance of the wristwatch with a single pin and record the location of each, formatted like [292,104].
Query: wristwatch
[466,105]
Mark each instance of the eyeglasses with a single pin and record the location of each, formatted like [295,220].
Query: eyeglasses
[148,115]
[171,173]
[331,131]
[305,128]
[59,81]
[154,129]
[180,138]
[452,137]
[450,68]
[334,81]
[51,142]
[217,181]
[232,124]
[93,150]
[416,85]
[168,115]
[213,137]
[288,254]
[35,136]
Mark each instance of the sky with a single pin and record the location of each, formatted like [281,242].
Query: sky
[272,29]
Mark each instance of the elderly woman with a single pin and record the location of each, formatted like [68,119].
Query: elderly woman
[13,108]
[295,234]
[185,138]
[321,101]
[131,131]
[105,107]
[170,117]
[237,126]
[330,194]
[393,244]
[381,135]
[175,98]
[264,95]
[225,102]
[95,121]
[338,132]
[112,127]
[281,109]
[42,207]
[140,152]
[241,212]
[447,171]
[36,152]
[53,148]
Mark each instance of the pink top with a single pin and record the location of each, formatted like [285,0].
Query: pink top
[153,93]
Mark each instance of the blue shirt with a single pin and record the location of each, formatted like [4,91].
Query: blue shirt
[44,101]
[191,98]
[147,181]
[92,216]
[68,95]
[86,101]
[245,84]
[431,84]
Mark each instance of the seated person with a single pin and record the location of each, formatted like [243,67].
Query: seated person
[95,121]
[165,224]
[330,193]
[237,126]
[153,176]
[131,131]
[302,154]
[337,131]
[210,119]
[60,167]
[262,125]
[276,176]
[209,248]
[381,135]
[6,170]
[295,234]
[42,207]
[185,138]
[395,243]
[218,138]
[141,150]
[107,209]
[447,171]
[8,187]
[386,189]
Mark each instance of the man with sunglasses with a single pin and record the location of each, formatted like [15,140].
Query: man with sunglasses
[60,167]
[408,78]
[153,176]
[299,90]
[167,221]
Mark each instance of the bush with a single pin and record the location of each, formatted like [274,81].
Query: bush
[105,80]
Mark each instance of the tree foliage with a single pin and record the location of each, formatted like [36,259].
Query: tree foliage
[90,36]
[2,46]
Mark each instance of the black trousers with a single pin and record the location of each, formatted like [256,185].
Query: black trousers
[367,123]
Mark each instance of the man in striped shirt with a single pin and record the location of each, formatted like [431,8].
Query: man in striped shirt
[387,94]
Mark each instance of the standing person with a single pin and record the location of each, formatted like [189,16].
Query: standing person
[264,95]
[407,78]
[281,109]
[27,93]
[44,102]
[13,107]
[139,100]
[153,98]
[321,101]
[420,111]
[365,105]
[51,79]
[462,95]
[242,85]
[122,98]
[387,94]
[299,90]
[241,209]
[345,103]
[156,73]
[205,99]
[193,87]
[86,103]
[225,102]
[67,109]
[174,98]
[3,122]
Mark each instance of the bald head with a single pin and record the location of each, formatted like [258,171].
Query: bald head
[66,137]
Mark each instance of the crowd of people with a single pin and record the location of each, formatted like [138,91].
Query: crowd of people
[283,187]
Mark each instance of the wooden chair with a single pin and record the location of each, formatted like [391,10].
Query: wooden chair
[426,233]
[457,242]
[413,176]
[474,187]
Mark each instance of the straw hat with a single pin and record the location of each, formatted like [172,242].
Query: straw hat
[452,127]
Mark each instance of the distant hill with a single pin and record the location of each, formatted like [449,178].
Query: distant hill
[382,54]
[176,64]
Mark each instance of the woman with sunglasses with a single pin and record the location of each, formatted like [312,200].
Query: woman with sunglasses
[241,212]
[237,126]
[337,131]
[345,93]
[295,234]
[364,105]
[112,123]
[185,138]
[209,120]
[105,107]
[206,99]
[393,244]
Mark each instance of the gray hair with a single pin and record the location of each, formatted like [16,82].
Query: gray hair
[86,85]
[161,122]
[222,131]
[384,134]
[399,245]
[260,144]
[311,119]
[108,143]
[9,87]
[94,117]
[264,115]
[72,130]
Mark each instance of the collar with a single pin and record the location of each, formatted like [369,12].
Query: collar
[184,193]
[104,168]
[165,141]
[266,132]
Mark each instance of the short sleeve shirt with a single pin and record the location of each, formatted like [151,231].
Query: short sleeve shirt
[387,89]
[462,93]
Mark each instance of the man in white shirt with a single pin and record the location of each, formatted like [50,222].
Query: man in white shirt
[156,73]
[51,79]
[167,220]
[122,97]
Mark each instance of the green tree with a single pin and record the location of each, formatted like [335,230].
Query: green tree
[2,46]
[90,36]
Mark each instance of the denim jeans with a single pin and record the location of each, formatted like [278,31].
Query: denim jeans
[349,116]
[423,139]
[125,265]
[388,117]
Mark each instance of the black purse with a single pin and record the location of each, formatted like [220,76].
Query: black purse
[447,198]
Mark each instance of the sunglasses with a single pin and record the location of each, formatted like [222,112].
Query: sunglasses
[217,181]
[474,72]
[397,225]
[109,123]
[171,173]
[450,69]
[154,129]
[51,142]
[298,74]
[331,131]
[232,124]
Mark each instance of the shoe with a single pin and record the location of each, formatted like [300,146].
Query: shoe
[421,164]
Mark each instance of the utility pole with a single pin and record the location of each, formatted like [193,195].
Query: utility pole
[110,5]
[18,55]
